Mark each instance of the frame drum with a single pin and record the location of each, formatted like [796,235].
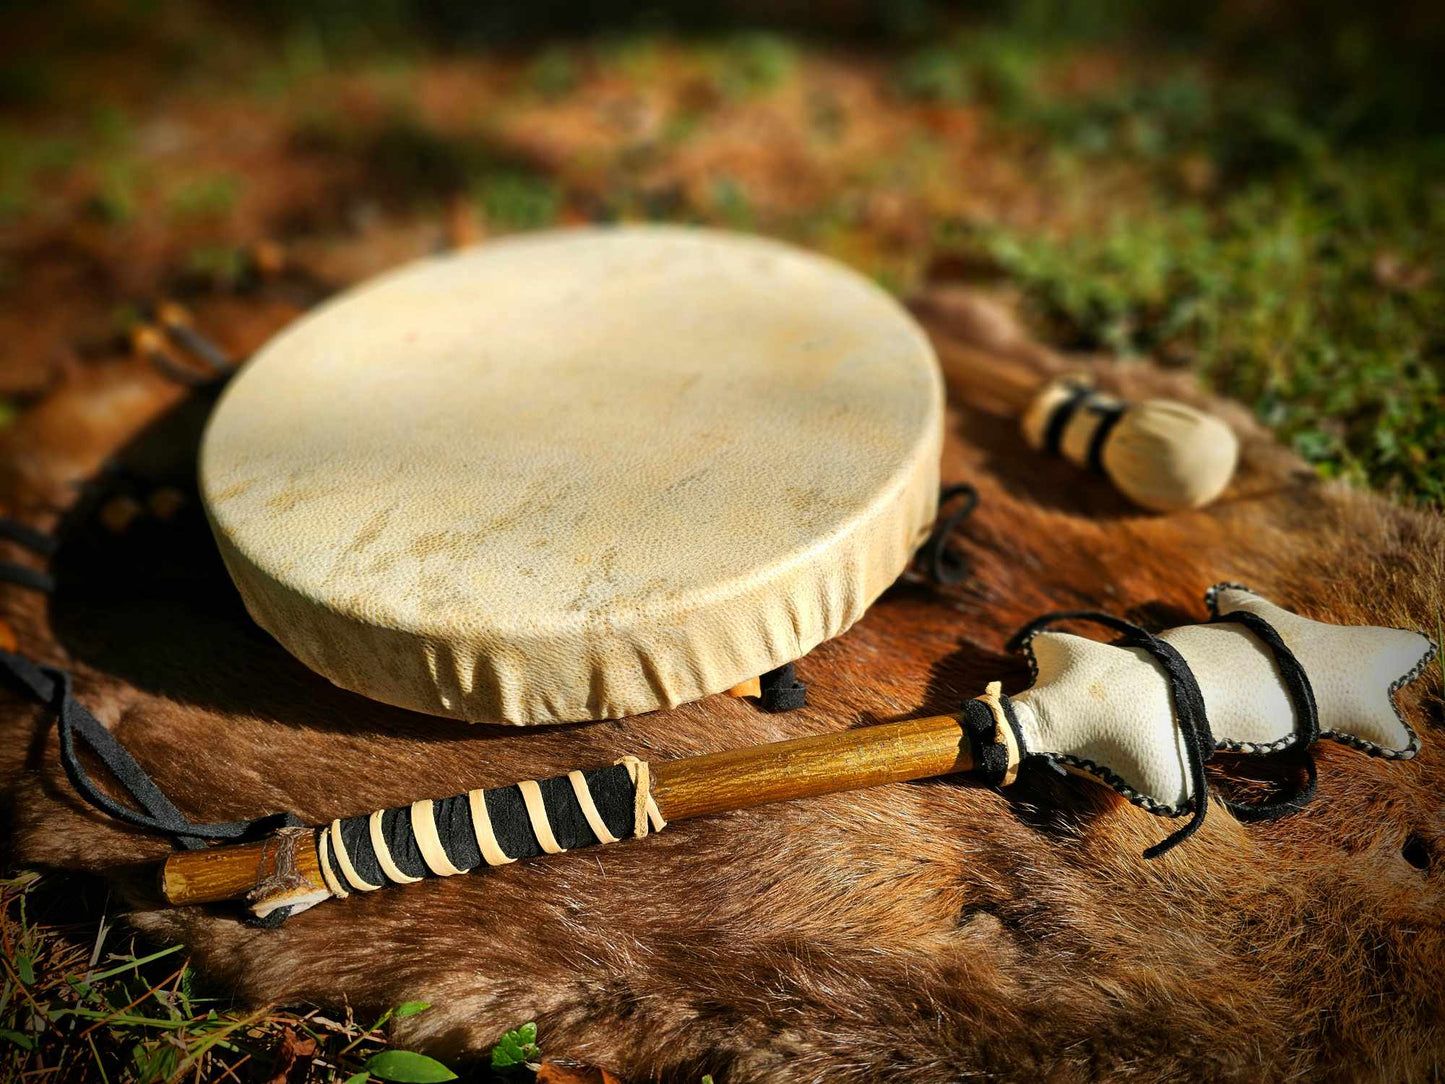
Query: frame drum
[579,474]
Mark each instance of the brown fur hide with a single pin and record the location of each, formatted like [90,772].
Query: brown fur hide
[921,932]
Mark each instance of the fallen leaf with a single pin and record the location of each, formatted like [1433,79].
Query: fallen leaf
[293,1059]
[1394,273]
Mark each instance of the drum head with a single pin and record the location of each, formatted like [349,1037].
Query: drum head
[577,475]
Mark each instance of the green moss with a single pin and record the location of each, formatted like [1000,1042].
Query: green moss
[25,159]
[1311,296]
[224,265]
[634,54]
[553,73]
[754,63]
[302,55]
[935,74]
[1294,259]
[112,127]
[114,200]
[681,126]
[517,200]
[205,197]
[729,204]
[991,66]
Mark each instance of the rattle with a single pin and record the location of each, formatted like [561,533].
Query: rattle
[1161,454]
[1141,716]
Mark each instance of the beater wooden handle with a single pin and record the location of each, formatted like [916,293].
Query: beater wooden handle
[690,787]
[1121,712]
[803,767]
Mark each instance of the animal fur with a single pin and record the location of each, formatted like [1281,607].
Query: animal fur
[932,931]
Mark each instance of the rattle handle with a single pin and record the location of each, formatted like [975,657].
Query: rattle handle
[990,377]
[489,827]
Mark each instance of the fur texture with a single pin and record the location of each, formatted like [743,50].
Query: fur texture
[920,932]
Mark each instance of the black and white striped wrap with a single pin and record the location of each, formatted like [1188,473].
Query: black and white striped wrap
[1078,424]
[446,836]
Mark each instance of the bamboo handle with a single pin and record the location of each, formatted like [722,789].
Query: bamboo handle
[690,787]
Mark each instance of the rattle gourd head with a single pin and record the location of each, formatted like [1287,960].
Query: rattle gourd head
[1161,454]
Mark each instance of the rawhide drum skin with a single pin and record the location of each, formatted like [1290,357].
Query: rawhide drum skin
[577,474]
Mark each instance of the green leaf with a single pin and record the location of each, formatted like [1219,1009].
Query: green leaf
[153,1063]
[411,1008]
[25,967]
[517,1047]
[404,1067]
[359,1078]
[18,1038]
[132,963]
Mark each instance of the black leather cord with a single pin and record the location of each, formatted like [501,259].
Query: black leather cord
[1302,696]
[25,576]
[37,542]
[1192,717]
[941,564]
[51,686]
[1061,415]
[1189,710]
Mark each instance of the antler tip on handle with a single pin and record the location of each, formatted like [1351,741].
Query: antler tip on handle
[285,863]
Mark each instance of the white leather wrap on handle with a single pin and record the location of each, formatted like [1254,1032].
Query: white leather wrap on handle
[1108,710]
